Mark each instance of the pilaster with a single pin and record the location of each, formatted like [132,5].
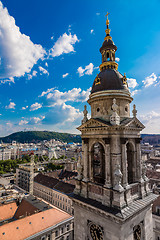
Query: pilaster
[115,155]
[108,183]
[138,160]
[85,158]
[124,162]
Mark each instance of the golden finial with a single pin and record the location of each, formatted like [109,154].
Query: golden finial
[124,79]
[107,30]
[107,21]
[97,80]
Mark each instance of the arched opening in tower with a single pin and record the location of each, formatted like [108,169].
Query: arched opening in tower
[98,163]
[130,163]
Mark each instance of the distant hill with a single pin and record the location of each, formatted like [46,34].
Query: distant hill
[37,136]
[153,139]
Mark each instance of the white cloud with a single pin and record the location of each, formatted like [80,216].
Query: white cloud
[65,75]
[23,122]
[92,30]
[117,59]
[36,120]
[132,83]
[151,121]
[35,106]
[64,44]
[31,121]
[9,124]
[135,92]
[63,115]
[11,105]
[97,13]
[34,74]
[18,52]
[48,91]
[150,80]
[24,108]
[55,97]
[43,70]
[88,70]
[9,80]
[149,116]
[46,64]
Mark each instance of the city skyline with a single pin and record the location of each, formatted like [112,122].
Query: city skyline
[50,58]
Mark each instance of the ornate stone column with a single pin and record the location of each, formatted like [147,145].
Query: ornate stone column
[138,158]
[124,163]
[90,166]
[85,158]
[107,163]
[115,154]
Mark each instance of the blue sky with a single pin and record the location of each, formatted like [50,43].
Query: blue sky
[49,57]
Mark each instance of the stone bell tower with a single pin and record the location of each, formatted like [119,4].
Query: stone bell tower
[112,199]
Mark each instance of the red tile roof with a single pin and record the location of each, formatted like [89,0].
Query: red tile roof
[25,209]
[7,211]
[28,226]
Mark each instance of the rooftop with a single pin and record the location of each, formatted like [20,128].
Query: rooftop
[51,182]
[30,225]
[7,211]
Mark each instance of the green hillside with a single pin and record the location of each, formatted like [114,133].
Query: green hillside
[36,136]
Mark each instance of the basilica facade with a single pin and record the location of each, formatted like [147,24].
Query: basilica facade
[112,199]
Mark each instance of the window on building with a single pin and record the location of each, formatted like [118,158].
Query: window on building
[62,230]
[56,233]
[49,237]
[68,227]
[130,163]
[67,238]
[98,163]
[43,238]
[62,238]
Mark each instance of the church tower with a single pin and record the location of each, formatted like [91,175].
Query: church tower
[112,199]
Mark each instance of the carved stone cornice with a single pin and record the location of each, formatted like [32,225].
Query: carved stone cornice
[97,211]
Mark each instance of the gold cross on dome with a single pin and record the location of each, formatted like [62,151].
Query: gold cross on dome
[107,15]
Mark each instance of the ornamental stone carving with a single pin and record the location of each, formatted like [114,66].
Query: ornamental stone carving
[114,118]
[118,178]
[85,112]
[79,169]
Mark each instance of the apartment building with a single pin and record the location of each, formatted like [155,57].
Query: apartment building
[54,191]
